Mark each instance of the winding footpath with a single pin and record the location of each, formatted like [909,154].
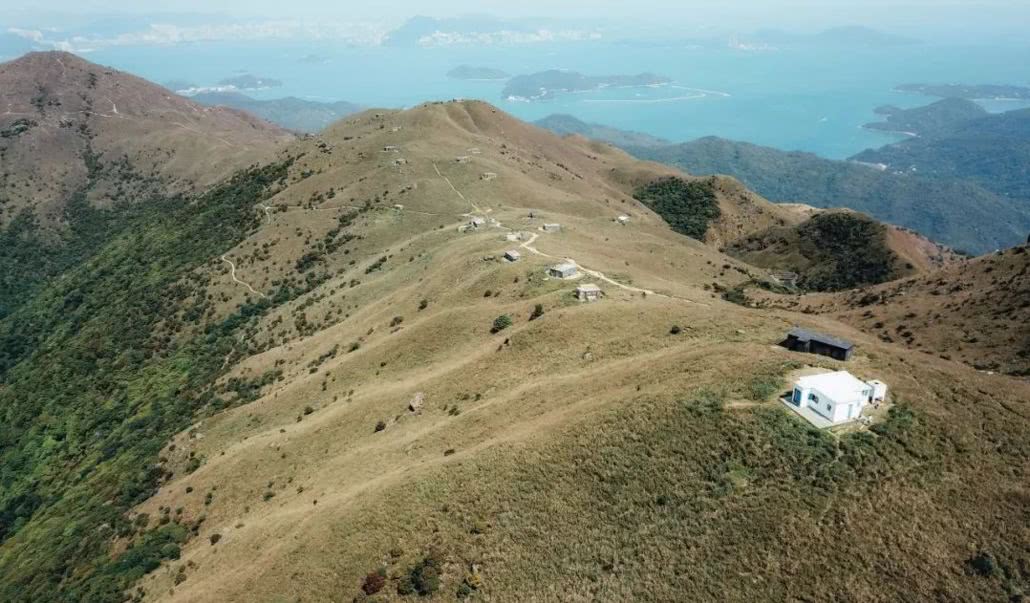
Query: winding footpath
[528,246]
[232,272]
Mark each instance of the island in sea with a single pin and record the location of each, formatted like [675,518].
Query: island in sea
[470,72]
[248,81]
[937,119]
[547,84]
[969,91]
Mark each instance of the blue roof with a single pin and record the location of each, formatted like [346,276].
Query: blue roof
[806,335]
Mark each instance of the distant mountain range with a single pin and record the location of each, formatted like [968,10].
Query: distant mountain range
[290,112]
[564,124]
[546,84]
[959,212]
[991,150]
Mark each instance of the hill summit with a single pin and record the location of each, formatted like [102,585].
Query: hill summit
[441,352]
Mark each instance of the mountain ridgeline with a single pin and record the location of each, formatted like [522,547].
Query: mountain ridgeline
[948,204]
[321,373]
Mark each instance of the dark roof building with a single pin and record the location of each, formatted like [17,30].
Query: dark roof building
[803,340]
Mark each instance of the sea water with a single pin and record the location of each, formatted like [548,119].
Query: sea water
[813,99]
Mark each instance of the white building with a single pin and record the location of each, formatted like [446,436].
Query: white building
[552,227]
[836,397]
[564,270]
[512,255]
[623,219]
[588,293]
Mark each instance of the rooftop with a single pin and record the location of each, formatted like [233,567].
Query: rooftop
[806,335]
[839,385]
[588,287]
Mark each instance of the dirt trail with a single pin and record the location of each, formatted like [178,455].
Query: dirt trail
[528,245]
[232,272]
[453,188]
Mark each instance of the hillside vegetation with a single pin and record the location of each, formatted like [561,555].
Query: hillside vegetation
[992,151]
[830,251]
[688,206]
[977,311]
[961,214]
[89,398]
[320,381]
[933,120]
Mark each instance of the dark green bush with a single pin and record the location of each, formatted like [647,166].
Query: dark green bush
[688,206]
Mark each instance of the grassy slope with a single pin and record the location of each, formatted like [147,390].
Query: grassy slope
[977,311]
[294,495]
[959,214]
[92,388]
[831,251]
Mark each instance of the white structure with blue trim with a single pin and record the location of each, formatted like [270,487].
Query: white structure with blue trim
[837,397]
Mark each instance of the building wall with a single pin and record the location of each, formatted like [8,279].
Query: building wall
[835,411]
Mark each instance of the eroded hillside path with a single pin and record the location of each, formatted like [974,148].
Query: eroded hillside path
[528,246]
[232,272]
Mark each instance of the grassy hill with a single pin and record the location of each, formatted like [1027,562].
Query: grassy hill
[86,150]
[957,213]
[975,311]
[830,251]
[312,399]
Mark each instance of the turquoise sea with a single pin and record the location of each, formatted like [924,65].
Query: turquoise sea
[807,98]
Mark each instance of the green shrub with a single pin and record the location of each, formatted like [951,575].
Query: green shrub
[423,578]
[501,323]
[688,206]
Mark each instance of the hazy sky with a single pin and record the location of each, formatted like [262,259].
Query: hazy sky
[903,16]
[778,10]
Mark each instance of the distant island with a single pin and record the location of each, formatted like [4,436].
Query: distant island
[546,84]
[932,120]
[469,72]
[250,82]
[292,113]
[971,92]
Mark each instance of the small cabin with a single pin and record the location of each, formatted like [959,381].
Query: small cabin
[463,159]
[563,270]
[552,227]
[588,293]
[512,255]
[803,340]
[837,397]
[623,219]
[488,176]
[390,148]
[476,222]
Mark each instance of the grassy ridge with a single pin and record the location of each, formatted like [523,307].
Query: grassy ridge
[92,388]
[830,251]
